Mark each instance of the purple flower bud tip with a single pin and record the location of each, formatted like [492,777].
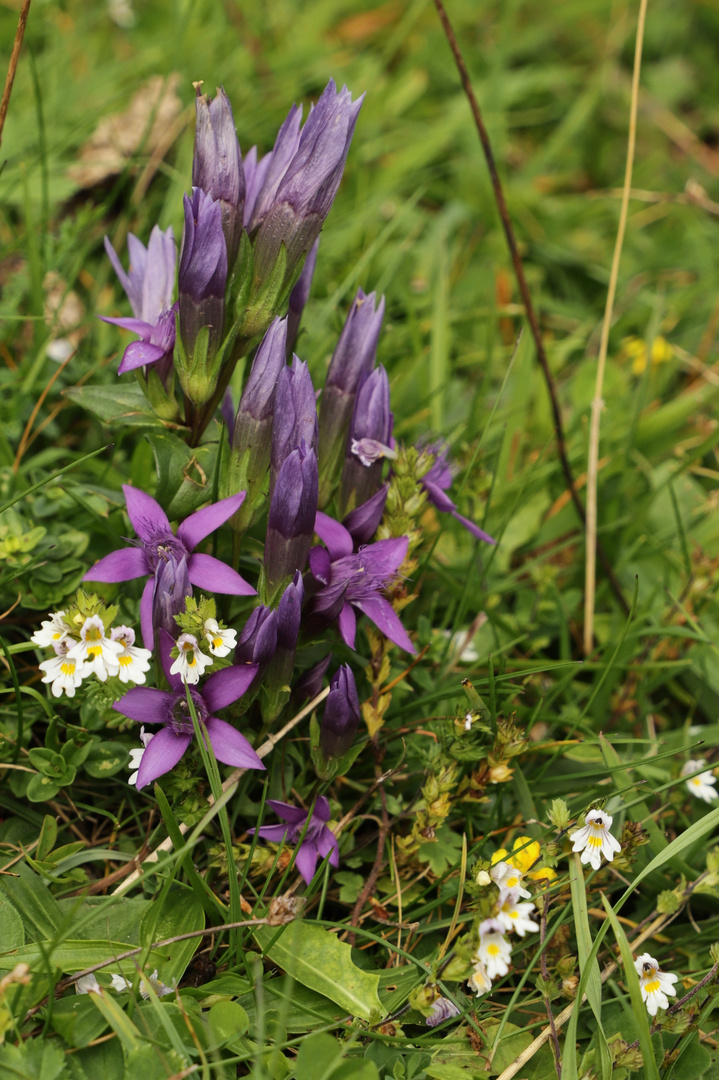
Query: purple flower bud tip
[355,353]
[295,416]
[258,641]
[203,261]
[342,716]
[289,613]
[217,163]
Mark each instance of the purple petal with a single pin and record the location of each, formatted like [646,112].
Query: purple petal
[321,564]
[166,645]
[322,808]
[144,704]
[139,354]
[295,815]
[334,535]
[436,495]
[162,753]
[474,529]
[135,326]
[209,573]
[200,524]
[327,845]
[147,516]
[385,556]
[306,860]
[122,565]
[386,619]
[275,833]
[227,685]
[230,747]
[348,625]
[148,633]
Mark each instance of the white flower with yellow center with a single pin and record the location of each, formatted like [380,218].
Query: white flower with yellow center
[494,950]
[221,642]
[52,631]
[701,786]
[98,652]
[63,671]
[190,662]
[515,916]
[120,984]
[654,984]
[136,755]
[595,839]
[133,660]
[508,877]
[479,980]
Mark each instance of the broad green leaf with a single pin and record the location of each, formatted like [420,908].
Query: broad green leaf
[35,1059]
[104,1061]
[33,900]
[184,474]
[181,913]
[228,1020]
[76,1020]
[123,405]
[76,955]
[318,960]
[300,1008]
[97,918]
[12,934]
[318,1058]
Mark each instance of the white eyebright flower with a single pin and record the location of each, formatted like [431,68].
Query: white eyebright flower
[479,980]
[63,671]
[595,839]
[88,984]
[136,754]
[133,660]
[494,950]
[508,878]
[221,642]
[190,662]
[98,652]
[654,984]
[120,984]
[52,631]
[701,786]
[515,916]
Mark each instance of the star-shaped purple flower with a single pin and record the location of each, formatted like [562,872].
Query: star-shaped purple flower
[149,286]
[171,710]
[352,580]
[319,840]
[158,545]
[435,483]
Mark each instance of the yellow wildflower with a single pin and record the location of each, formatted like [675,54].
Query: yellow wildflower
[635,349]
[525,852]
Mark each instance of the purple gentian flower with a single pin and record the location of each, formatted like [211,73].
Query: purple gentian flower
[435,483]
[203,271]
[149,286]
[362,522]
[158,545]
[258,641]
[217,163]
[301,179]
[369,434]
[295,415]
[171,710]
[341,716]
[355,580]
[319,840]
[290,522]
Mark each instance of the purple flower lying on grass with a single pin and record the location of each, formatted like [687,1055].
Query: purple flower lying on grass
[352,581]
[319,840]
[149,286]
[435,483]
[171,710]
[158,546]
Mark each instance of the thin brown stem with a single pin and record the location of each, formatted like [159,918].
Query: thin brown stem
[524,290]
[12,66]
[377,866]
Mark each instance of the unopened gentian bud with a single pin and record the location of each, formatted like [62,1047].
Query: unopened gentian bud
[279,673]
[302,199]
[371,420]
[258,640]
[362,522]
[290,525]
[217,164]
[352,360]
[251,429]
[342,716]
[202,280]
[289,613]
[300,295]
[309,684]
[171,586]
[295,415]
